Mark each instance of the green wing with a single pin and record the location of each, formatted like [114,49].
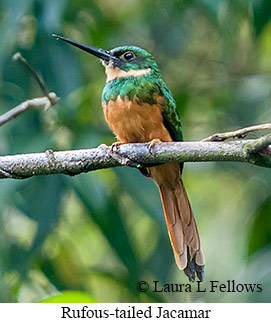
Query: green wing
[171,118]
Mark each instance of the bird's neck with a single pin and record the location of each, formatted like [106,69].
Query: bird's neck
[143,87]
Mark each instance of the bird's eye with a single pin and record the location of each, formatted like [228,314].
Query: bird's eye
[128,56]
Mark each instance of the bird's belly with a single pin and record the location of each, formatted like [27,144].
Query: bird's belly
[134,122]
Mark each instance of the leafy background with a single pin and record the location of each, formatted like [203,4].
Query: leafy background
[102,232]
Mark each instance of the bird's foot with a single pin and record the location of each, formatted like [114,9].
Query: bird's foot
[123,160]
[152,143]
[114,147]
[103,147]
[193,269]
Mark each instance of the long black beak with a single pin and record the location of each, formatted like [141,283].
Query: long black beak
[98,52]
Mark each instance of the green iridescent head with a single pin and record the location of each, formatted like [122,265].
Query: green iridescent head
[125,58]
[131,58]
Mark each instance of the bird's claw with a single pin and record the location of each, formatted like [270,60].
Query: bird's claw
[152,143]
[103,147]
[123,160]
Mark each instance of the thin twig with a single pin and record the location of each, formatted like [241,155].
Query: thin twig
[37,103]
[240,133]
[17,57]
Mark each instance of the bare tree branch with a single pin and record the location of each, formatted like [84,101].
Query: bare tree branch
[240,133]
[259,145]
[78,161]
[37,103]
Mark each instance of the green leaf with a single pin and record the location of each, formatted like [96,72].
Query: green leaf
[70,297]
[104,208]
[38,198]
[261,14]
[260,228]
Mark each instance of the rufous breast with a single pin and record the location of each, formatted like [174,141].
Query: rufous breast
[132,121]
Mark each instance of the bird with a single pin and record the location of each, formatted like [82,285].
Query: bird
[139,107]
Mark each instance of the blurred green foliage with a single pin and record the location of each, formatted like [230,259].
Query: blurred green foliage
[102,232]
[70,297]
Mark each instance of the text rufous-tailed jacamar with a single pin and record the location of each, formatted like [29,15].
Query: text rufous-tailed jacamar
[139,107]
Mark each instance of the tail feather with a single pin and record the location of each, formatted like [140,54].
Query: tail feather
[182,230]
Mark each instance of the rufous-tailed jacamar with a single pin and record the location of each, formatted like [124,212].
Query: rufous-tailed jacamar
[139,107]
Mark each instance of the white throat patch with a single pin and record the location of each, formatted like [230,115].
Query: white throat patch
[114,73]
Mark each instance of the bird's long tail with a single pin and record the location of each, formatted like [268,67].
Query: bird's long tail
[182,227]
